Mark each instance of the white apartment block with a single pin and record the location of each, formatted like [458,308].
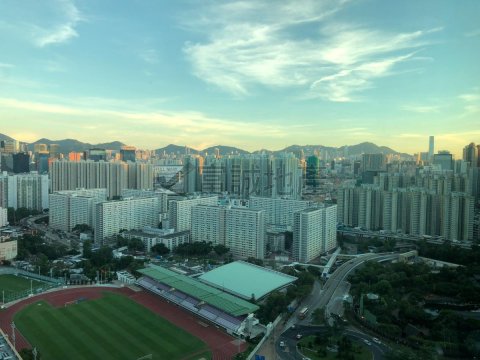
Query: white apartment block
[3,217]
[24,190]
[180,211]
[167,237]
[8,248]
[128,214]
[208,224]
[113,176]
[278,211]
[314,232]
[245,232]
[138,193]
[71,208]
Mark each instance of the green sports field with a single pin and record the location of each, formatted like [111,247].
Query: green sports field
[112,327]
[12,283]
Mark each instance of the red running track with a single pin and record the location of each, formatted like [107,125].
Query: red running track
[222,345]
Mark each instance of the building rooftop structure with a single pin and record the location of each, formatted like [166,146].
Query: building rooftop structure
[208,294]
[246,280]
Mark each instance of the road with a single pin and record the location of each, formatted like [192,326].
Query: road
[398,236]
[50,236]
[289,338]
[320,296]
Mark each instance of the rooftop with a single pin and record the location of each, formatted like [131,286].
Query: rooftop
[244,279]
[198,290]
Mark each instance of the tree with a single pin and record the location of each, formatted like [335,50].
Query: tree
[87,249]
[220,249]
[135,244]
[160,249]
[82,228]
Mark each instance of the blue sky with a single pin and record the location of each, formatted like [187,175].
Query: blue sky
[252,74]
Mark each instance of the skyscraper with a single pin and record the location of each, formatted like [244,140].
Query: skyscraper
[431,147]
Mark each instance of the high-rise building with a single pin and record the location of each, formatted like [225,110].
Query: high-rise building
[245,232]
[431,147]
[95,155]
[75,156]
[21,163]
[41,162]
[3,217]
[114,176]
[127,153]
[314,232]
[208,224]
[128,214]
[54,150]
[470,154]
[278,211]
[444,160]
[213,176]
[25,191]
[76,207]
[192,173]
[180,211]
[312,179]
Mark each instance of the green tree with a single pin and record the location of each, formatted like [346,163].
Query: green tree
[160,249]
[220,249]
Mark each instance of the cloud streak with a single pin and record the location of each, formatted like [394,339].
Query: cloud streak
[252,43]
[61,32]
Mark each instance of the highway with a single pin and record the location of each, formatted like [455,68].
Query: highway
[289,339]
[320,296]
[398,236]
[50,236]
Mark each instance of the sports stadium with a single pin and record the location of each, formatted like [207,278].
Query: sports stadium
[165,316]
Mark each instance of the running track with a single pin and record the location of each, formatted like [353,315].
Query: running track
[221,344]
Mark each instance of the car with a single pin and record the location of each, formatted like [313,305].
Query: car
[292,327]
[299,336]
[367,342]
[282,344]
[376,341]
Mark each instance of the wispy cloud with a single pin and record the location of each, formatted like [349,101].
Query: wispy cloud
[5,65]
[471,102]
[153,125]
[251,42]
[150,56]
[62,31]
[473,33]
[422,109]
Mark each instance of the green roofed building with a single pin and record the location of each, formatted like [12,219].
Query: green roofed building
[246,280]
[205,293]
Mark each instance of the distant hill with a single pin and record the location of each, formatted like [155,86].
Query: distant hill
[176,149]
[224,150]
[68,145]
[5,137]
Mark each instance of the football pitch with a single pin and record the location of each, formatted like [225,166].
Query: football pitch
[12,283]
[112,327]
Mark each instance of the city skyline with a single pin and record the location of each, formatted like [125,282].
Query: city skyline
[242,73]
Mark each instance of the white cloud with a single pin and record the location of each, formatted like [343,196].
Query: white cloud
[150,56]
[62,31]
[295,45]
[422,109]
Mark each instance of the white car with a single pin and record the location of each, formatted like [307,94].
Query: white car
[282,344]
[367,342]
[376,341]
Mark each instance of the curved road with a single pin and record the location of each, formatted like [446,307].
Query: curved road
[289,338]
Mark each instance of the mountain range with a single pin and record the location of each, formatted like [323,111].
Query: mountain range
[68,145]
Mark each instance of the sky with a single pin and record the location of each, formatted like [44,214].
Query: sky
[252,74]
